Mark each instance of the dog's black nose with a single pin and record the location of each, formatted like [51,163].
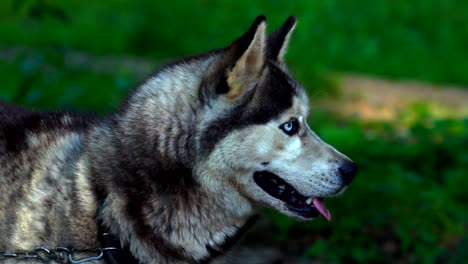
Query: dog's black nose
[348,171]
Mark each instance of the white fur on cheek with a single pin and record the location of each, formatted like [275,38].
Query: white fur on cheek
[293,149]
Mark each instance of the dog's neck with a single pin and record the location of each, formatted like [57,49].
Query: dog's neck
[149,193]
[177,221]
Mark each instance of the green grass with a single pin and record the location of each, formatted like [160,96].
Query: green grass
[417,39]
[40,80]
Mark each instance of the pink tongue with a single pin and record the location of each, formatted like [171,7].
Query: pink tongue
[321,208]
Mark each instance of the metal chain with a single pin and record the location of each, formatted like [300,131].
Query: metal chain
[59,255]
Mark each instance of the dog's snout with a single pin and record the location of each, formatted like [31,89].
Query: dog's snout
[348,171]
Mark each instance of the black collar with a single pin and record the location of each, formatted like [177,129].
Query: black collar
[119,256]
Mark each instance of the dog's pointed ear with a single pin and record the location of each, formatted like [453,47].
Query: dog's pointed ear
[248,54]
[278,40]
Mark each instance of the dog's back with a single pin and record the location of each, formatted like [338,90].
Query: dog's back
[38,155]
[21,129]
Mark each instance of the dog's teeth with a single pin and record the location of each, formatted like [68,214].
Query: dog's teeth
[309,201]
[282,187]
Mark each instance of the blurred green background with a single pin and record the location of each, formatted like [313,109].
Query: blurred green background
[408,203]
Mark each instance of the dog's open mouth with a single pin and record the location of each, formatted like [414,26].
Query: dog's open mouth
[307,207]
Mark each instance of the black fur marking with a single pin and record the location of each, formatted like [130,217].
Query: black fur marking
[271,98]
[228,243]
[16,122]
[139,183]
[222,86]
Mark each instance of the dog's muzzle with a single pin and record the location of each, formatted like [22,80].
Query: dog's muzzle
[307,207]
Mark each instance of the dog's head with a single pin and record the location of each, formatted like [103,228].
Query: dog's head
[253,136]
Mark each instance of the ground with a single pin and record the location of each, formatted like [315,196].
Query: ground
[373,98]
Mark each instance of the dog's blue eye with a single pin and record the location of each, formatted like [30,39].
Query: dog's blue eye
[291,127]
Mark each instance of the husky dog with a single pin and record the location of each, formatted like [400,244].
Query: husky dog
[177,172]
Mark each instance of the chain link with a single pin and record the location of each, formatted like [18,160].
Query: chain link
[58,255]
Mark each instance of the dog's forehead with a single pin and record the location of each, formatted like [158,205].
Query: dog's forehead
[300,99]
[301,104]
[298,109]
